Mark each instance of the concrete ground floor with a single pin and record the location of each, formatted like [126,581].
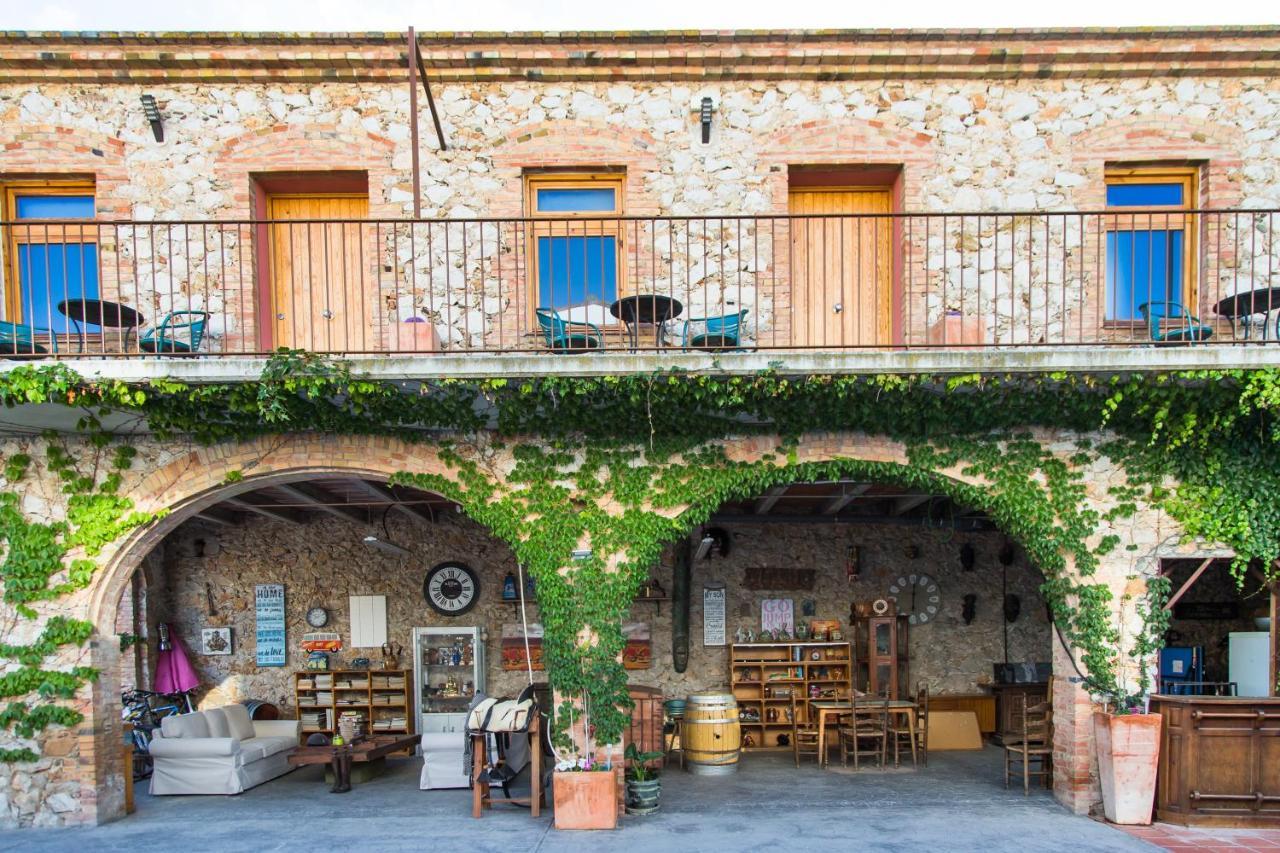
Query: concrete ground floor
[957,803]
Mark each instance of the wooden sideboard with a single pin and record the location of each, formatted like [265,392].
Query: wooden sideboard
[983,706]
[1219,760]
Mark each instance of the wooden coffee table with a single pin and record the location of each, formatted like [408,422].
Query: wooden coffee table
[369,751]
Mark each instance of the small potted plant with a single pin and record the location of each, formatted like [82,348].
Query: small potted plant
[585,794]
[643,785]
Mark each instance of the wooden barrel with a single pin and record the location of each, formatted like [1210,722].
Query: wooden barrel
[712,735]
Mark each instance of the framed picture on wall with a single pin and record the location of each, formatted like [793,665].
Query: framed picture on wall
[215,641]
[777,614]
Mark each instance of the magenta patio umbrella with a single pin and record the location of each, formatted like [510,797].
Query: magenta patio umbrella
[174,673]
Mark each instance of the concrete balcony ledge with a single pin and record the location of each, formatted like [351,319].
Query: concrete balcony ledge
[1035,359]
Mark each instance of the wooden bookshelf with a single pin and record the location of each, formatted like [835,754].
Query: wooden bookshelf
[366,691]
[764,676]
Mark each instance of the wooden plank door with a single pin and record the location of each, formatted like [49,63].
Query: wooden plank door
[842,269]
[321,294]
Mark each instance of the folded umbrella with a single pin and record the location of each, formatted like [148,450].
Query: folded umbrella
[174,673]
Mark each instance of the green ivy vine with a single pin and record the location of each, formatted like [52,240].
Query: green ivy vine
[622,465]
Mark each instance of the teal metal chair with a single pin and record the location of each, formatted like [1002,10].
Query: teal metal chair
[1171,323]
[719,332]
[565,336]
[178,332]
[20,339]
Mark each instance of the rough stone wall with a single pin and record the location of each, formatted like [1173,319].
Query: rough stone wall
[945,654]
[963,146]
[322,563]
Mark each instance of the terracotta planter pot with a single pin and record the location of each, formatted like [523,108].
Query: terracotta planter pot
[412,336]
[955,329]
[1128,754]
[586,800]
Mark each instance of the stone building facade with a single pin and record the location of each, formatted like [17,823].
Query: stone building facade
[942,141]
[1008,123]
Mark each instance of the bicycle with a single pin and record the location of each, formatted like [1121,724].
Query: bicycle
[140,708]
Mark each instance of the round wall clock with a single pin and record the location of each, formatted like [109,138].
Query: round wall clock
[451,588]
[918,597]
[317,617]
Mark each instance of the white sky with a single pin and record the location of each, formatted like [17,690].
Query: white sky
[319,15]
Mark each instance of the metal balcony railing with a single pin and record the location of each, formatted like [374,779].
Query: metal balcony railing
[735,283]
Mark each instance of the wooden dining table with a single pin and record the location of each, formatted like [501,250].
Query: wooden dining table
[836,708]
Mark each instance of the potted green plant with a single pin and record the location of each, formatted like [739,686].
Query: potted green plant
[584,789]
[1128,743]
[643,785]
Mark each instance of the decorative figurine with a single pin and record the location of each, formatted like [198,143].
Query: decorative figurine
[509,590]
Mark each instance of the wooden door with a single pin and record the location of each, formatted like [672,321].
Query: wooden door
[321,294]
[842,268]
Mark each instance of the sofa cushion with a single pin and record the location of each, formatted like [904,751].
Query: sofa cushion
[185,725]
[270,744]
[250,752]
[218,725]
[238,720]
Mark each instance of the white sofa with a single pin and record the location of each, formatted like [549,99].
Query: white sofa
[442,761]
[220,751]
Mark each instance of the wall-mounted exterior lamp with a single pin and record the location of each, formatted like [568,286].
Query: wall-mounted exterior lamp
[705,116]
[153,116]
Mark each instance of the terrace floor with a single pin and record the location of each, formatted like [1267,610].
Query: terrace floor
[958,803]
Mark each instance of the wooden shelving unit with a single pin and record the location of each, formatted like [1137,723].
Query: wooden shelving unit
[378,694]
[764,676]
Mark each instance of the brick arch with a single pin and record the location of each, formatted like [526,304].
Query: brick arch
[190,482]
[569,144]
[53,150]
[848,142]
[1156,138]
[305,148]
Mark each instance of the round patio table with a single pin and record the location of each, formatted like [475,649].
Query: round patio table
[645,310]
[101,313]
[1242,306]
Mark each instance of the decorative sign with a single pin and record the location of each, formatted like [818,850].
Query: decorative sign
[778,614]
[268,600]
[215,641]
[766,579]
[638,653]
[713,622]
[513,647]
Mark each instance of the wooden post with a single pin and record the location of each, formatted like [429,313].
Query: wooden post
[412,58]
[681,578]
[1273,671]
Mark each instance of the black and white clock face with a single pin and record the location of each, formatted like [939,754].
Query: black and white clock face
[918,597]
[317,617]
[451,588]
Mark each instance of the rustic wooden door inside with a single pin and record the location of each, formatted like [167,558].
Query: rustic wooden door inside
[842,268]
[320,289]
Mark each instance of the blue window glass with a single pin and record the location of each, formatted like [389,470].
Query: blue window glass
[50,272]
[1142,266]
[592,200]
[575,271]
[1144,195]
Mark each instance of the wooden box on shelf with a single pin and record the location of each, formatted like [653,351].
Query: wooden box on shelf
[382,696]
[764,676]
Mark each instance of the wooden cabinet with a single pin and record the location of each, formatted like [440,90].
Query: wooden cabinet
[1008,705]
[764,676]
[1219,760]
[983,706]
[880,647]
[380,697]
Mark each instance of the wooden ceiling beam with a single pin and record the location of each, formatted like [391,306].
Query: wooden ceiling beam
[769,499]
[849,495]
[378,490]
[323,503]
[273,513]
[908,503]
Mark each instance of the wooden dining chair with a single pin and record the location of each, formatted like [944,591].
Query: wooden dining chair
[865,733]
[1031,743]
[913,734]
[804,732]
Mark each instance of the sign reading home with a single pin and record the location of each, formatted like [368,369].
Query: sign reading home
[713,623]
[268,600]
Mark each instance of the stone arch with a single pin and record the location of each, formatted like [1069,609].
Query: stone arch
[848,142]
[54,151]
[305,148]
[568,144]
